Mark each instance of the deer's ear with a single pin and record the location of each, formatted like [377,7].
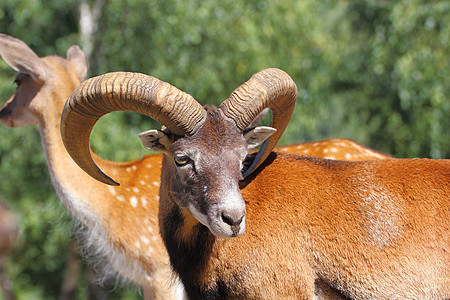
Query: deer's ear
[21,58]
[156,140]
[78,59]
[256,136]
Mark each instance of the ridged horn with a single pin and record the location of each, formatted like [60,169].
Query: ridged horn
[271,88]
[124,91]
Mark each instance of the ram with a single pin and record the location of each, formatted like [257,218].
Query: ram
[371,230]
[43,86]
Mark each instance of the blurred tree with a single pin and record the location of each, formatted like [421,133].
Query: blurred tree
[373,71]
[393,77]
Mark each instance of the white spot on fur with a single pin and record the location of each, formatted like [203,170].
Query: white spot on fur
[144,201]
[142,182]
[329,157]
[111,189]
[325,150]
[134,167]
[155,183]
[145,240]
[135,189]
[333,149]
[360,148]
[305,151]
[377,155]
[299,147]
[120,198]
[128,169]
[348,155]
[138,245]
[134,201]
[149,165]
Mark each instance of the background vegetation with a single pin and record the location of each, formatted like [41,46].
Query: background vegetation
[373,71]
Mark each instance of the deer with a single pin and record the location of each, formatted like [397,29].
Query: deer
[284,224]
[43,85]
[121,223]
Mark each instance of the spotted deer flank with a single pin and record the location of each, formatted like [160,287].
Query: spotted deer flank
[338,149]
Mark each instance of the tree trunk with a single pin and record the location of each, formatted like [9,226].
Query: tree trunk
[89,16]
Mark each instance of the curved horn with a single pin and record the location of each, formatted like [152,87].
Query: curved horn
[124,91]
[271,88]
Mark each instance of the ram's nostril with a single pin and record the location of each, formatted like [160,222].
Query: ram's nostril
[232,220]
[226,220]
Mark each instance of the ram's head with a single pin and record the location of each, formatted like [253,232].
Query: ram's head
[205,147]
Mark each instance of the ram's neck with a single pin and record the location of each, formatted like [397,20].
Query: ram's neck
[188,242]
[190,245]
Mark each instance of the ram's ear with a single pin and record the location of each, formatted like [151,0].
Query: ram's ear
[256,136]
[156,140]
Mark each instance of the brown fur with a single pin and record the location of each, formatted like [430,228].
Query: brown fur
[373,230]
[368,229]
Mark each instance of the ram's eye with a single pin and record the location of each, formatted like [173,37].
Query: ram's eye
[181,160]
[19,78]
[17,82]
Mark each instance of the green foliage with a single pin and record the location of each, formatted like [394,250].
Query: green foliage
[372,71]
[394,77]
